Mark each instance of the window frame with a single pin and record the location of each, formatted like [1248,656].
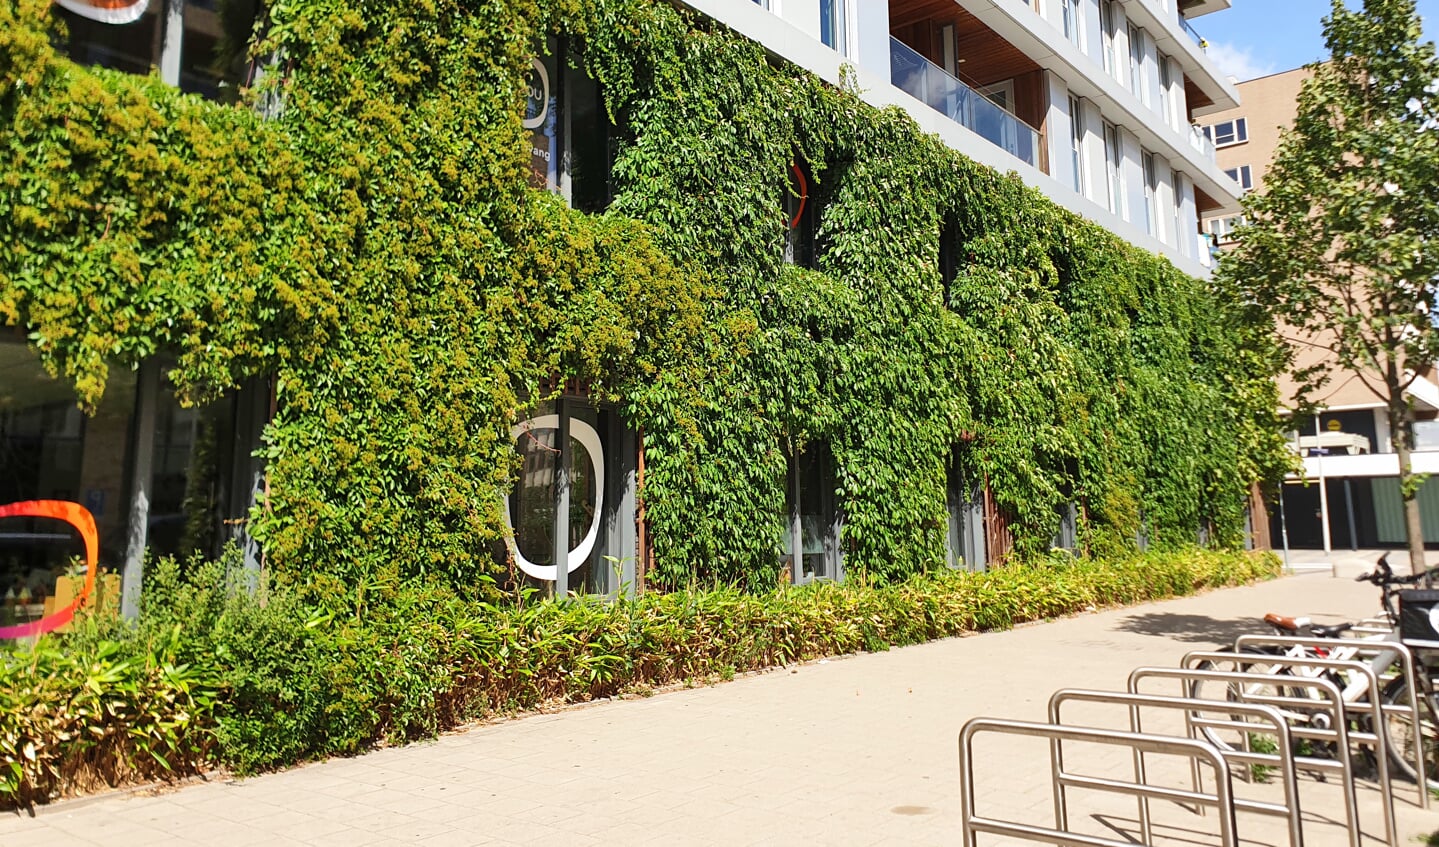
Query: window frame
[1243,175]
[1238,132]
[1076,143]
[1114,168]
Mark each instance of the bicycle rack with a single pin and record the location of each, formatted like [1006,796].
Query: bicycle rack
[1331,701]
[1381,655]
[1279,728]
[1198,752]
[1374,710]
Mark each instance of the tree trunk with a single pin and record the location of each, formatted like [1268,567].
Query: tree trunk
[1401,434]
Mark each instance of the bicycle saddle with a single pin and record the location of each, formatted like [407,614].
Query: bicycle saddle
[1285,622]
[1296,625]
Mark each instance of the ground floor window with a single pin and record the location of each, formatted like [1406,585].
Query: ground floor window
[966,537]
[153,474]
[812,548]
[580,489]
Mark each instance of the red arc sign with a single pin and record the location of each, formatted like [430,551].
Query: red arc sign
[80,518]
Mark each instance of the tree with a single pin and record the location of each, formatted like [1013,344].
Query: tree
[1341,249]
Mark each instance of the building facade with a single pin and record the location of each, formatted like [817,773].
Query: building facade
[1096,103]
[1091,103]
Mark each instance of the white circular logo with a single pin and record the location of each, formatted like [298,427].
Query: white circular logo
[590,440]
[537,95]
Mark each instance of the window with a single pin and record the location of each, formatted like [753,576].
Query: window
[181,480]
[1223,228]
[1076,141]
[1069,18]
[1109,34]
[832,24]
[800,216]
[209,58]
[1113,170]
[1228,132]
[1136,61]
[1166,79]
[948,255]
[1176,205]
[571,138]
[813,550]
[1241,175]
[597,454]
[965,504]
[1151,195]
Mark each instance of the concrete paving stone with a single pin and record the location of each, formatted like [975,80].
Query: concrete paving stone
[412,829]
[453,838]
[299,825]
[349,837]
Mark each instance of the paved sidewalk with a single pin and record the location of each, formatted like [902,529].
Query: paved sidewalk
[855,751]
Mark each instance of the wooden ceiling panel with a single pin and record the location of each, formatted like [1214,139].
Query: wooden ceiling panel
[985,57]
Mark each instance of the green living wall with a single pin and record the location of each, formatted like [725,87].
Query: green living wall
[374,246]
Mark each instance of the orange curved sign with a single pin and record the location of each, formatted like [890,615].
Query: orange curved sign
[107,11]
[80,518]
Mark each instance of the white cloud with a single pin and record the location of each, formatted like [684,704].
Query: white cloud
[1239,62]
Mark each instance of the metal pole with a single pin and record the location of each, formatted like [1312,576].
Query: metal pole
[1323,488]
[562,503]
[1349,507]
[1284,529]
[172,13]
[142,454]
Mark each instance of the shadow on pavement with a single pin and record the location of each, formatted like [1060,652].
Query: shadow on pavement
[1199,629]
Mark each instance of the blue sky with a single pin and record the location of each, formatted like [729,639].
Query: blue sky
[1255,38]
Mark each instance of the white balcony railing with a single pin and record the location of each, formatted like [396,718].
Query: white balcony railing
[1201,142]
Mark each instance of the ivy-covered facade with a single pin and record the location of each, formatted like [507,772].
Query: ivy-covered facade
[790,335]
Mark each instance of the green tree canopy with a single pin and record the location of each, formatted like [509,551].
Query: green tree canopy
[1340,247]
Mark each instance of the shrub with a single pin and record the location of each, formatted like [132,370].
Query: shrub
[215,674]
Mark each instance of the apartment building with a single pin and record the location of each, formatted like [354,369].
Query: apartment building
[1094,102]
[1091,102]
[1348,493]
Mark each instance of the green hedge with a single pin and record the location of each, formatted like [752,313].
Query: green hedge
[213,675]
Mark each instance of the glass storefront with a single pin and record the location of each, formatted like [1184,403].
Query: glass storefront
[201,480]
[208,58]
[601,516]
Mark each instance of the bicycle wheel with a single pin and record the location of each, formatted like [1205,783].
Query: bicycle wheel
[1259,691]
[1399,734]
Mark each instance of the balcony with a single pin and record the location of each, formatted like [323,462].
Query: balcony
[1192,33]
[1203,143]
[929,83]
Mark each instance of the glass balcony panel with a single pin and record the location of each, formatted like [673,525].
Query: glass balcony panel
[1201,142]
[926,81]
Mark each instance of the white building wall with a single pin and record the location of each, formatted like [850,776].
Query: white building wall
[1164,200]
[871,36]
[1133,178]
[1093,32]
[1060,123]
[1094,155]
[803,14]
[1188,219]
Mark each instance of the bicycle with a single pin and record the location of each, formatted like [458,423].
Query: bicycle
[1417,633]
